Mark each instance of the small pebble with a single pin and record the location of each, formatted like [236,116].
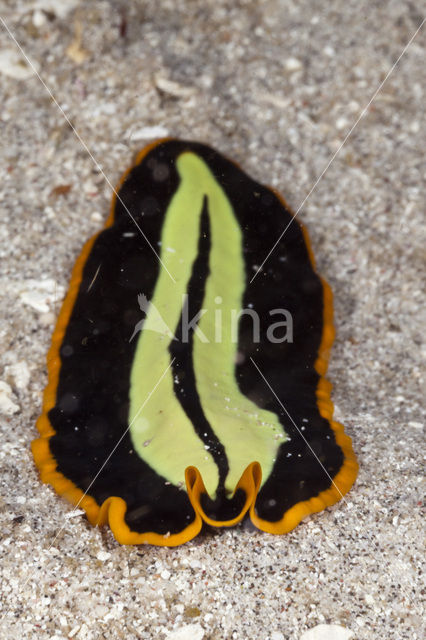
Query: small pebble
[341,123]
[39,18]
[293,64]
[47,319]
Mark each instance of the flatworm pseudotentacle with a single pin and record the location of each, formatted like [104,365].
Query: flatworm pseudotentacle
[203,420]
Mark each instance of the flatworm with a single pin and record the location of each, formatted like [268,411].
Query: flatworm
[158,423]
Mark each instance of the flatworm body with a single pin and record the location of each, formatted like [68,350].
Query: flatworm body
[198,409]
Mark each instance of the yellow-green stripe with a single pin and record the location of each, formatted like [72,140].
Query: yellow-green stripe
[161,433]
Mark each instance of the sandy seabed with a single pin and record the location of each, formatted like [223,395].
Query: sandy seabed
[277,86]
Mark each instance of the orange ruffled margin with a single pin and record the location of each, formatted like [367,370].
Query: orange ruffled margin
[113,509]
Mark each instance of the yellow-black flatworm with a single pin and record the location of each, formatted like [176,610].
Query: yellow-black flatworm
[197,410]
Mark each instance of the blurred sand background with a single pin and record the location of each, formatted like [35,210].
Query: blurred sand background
[275,85]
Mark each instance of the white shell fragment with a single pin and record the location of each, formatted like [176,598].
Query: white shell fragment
[7,404]
[188,632]
[327,632]
[14,65]
[41,295]
[19,373]
[60,9]
[149,133]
